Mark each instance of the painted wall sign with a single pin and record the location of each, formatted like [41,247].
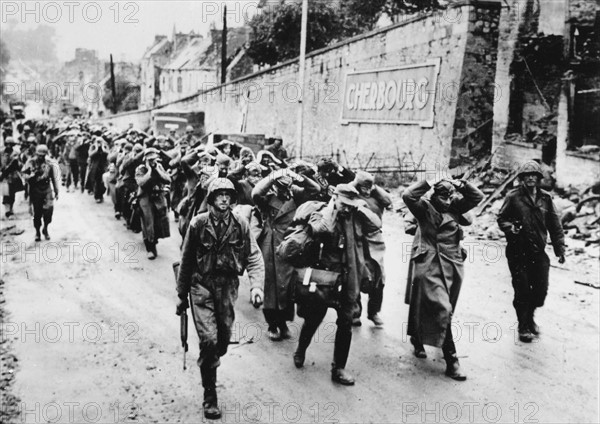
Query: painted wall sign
[398,95]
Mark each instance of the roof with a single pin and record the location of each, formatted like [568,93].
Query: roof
[205,53]
[156,47]
[190,55]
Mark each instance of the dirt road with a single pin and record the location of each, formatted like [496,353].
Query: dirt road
[93,325]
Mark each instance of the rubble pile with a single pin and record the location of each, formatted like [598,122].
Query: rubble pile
[579,212]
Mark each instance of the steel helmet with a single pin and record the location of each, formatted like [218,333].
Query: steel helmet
[220,184]
[530,167]
[189,128]
[41,149]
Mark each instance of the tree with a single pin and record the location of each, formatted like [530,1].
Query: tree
[4,59]
[276,31]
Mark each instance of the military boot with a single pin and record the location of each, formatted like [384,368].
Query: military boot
[525,334]
[453,367]
[533,327]
[210,404]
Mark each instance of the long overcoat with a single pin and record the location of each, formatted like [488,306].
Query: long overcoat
[437,261]
[276,219]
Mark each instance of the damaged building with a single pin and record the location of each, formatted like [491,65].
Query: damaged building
[548,75]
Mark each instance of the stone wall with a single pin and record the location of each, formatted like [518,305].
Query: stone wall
[272,108]
[463,34]
[474,112]
[139,118]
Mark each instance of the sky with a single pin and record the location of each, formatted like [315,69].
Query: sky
[123,28]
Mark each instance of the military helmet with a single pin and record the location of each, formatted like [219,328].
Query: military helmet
[41,149]
[220,184]
[530,167]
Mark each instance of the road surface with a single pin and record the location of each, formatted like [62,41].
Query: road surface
[93,325]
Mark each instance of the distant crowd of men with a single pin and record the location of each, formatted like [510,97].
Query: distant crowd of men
[236,208]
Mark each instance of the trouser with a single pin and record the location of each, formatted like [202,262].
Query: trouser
[98,185]
[313,316]
[73,175]
[212,306]
[82,175]
[529,273]
[374,303]
[41,214]
[123,196]
[448,346]
[9,201]
[276,318]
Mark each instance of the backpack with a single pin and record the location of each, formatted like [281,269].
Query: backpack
[298,247]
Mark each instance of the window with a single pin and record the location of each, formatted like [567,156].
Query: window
[179,84]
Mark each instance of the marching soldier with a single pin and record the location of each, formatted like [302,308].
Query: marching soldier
[10,167]
[43,178]
[377,199]
[217,249]
[341,227]
[437,264]
[150,178]
[526,217]
[277,199]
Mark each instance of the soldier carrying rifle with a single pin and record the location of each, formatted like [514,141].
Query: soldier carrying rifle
[218,247]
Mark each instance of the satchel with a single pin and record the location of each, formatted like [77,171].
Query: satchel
[317,287]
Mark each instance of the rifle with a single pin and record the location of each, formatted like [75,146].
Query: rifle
[183,331]
[183,322]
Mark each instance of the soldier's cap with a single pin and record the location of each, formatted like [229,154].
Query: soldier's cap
[303,168]
[41,149]
[223,159]
[189,128]
[26,128]
[9,140]
[363,178]
[347,194]
[245,150]
[530,167]
[202,155]
[443,188]
[265,153]
[284,182]
[151,153]
[254,166]
[31,139]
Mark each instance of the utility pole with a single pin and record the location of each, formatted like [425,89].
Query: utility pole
[224,48]
[300,129]
[113,86]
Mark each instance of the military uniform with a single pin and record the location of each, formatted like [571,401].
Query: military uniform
[153,204]
[43,180]
[525,250]
[218,247]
